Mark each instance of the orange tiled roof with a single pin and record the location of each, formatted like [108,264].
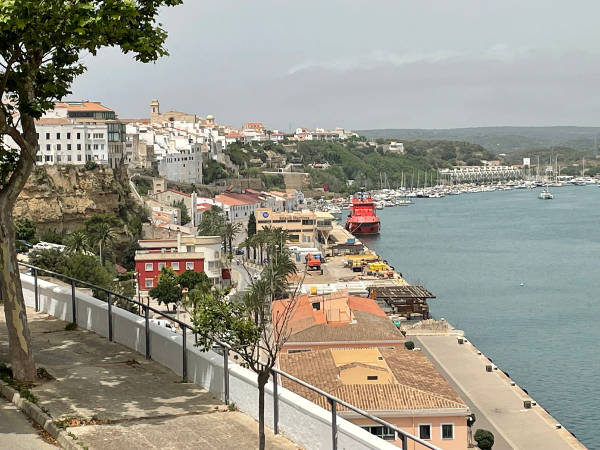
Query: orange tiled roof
[254,125]
[82,106]
[415,385]
[235,199]
[353,319]
[53,121]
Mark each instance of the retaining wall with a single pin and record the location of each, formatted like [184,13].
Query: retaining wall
[303,422]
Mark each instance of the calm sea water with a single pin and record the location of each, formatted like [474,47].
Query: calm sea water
[474,250]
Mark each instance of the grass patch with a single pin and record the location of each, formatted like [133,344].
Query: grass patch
[71,326]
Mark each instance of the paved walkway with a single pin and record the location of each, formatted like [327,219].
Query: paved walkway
[16,432]
[495,402]
[110,395]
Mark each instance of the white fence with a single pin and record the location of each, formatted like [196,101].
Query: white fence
[303,422]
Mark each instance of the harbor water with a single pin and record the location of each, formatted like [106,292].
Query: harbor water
[521,277]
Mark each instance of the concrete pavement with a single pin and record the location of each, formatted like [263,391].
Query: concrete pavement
[102,390]
[496,403]
[16,432]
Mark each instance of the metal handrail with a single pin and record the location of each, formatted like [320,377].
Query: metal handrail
[226,348]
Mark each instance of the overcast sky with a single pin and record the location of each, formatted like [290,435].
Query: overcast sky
[366,64]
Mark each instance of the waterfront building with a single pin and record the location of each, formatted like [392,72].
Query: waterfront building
[237,207]
[301,226]
[337,320]
[400,386]
[78,132]
[197,253]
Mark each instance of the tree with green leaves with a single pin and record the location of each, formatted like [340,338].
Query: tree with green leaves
[102,230]
[212,223]
[247,326]
[229,233]
[185,217]
[24,230]
[191,279]
[251,224]
[40,56]
[77,242]
[167,290]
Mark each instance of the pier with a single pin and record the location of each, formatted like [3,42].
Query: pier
[498,402]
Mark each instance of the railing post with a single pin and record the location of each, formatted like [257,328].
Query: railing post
[184,353]
[147,316]
[275,404]
[36,292]
[73,302]
[333,423]
[226,373]
[404,441]
[110,324]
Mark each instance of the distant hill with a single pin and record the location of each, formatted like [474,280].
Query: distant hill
[500,139]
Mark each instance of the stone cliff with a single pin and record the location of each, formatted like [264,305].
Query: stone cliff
[62,197]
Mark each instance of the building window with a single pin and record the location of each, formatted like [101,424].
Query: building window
[47,147]
[58,147]
[68,158]
[69,147]
[425,431]
[382,432]
[447,431]
[371,377]
[161,265]
[48,158]
[47,135]
[78,135]
[58,158]
[149,282]
[189,248]
[189,265]
[95,146]
[78,146]
[57,135]
[78,157]
[149,267]
[68,135]
[175,265]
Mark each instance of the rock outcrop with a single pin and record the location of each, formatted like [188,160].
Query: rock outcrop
[62,197]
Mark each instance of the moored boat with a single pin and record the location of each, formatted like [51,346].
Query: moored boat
[362,219]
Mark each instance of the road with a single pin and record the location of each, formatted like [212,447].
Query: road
[16,433]
[243,278]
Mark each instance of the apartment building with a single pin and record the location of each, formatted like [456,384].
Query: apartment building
[197,253]
[77,132]
[237,207]
[305,227]
[184,165]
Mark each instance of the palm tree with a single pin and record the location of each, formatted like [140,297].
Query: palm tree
[77,242]
[229,232]
[103,234]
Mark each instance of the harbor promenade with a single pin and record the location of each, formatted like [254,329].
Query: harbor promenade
[496,403]
[108,396]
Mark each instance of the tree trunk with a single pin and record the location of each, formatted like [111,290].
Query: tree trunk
[11,293]
[263,377]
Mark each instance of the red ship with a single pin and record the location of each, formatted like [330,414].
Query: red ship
[362,219]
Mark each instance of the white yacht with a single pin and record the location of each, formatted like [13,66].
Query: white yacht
[545,194]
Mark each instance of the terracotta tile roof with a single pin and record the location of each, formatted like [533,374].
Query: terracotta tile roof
[53,121]
[82,106]
[235,199]
[425,388]
[254,126]
[364,319]
[234,134]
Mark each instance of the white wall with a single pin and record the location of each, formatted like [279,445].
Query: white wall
[303,422]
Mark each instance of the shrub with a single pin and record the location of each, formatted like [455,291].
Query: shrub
[90,165]
[410,345]
[70,326]
[484,439]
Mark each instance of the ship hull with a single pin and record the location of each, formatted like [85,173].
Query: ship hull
[363,227]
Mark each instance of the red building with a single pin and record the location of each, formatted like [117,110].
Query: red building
[197,253]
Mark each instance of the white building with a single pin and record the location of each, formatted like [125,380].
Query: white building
[77,132]
[184,166]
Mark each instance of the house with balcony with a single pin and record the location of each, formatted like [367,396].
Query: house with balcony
[197,253]
[301,226]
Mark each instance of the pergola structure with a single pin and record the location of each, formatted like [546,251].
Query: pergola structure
[405,300]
